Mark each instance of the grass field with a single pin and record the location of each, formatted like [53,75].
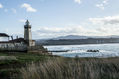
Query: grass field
[36,66]
[11,63]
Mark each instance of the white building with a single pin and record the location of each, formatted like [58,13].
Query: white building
[18,44]
[4,37]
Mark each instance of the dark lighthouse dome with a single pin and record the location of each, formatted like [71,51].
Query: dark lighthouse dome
[27,24]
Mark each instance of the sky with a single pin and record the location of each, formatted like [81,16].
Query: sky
[53,18]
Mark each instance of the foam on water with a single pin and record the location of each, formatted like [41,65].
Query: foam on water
[105,50]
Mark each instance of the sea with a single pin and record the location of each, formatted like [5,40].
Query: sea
[104,50]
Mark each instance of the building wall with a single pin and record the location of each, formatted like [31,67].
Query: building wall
[13,47]
[4,39]
[11,44]
[27,34]
[31,43]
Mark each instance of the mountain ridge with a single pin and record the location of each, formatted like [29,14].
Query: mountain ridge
[77,40]
[83,37]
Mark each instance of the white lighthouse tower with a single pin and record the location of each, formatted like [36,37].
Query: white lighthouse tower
[28,34]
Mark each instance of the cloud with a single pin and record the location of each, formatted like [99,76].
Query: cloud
[104,26]
[78,1]
[28,7]
[46,32]
[1,6]
[102,5]
[110,30]
[22,20]
[105,20]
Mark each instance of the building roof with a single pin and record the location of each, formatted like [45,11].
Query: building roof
[18,40]
[27,24]
[3,35]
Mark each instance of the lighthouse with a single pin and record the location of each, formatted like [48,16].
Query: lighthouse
[28,34]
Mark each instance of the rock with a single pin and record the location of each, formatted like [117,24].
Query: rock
[93,51]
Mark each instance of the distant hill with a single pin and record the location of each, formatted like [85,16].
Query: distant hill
[83,37]
[71,37]
[76,40]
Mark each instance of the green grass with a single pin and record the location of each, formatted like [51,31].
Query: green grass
[9,67]
[37,66]
[25,57]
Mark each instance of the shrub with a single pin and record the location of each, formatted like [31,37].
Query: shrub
[83,68]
